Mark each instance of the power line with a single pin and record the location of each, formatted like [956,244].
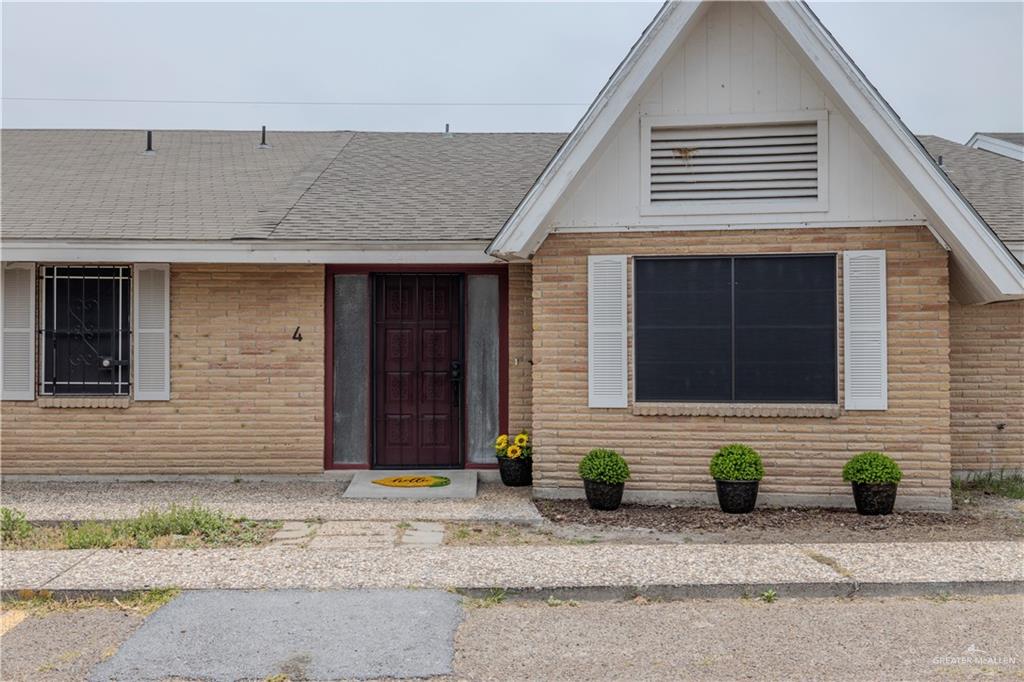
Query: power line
[296,103]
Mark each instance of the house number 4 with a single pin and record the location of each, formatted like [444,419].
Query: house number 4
[296,334]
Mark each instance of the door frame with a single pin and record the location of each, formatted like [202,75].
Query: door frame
[501,270]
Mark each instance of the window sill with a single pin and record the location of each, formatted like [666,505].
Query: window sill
[736,410]
[120,402]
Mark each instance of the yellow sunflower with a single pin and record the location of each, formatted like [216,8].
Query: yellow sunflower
[514,451]
[502,441]
[522,439]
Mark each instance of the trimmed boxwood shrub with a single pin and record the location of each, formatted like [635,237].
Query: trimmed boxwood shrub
[872,467]
[737,462]
[604,466]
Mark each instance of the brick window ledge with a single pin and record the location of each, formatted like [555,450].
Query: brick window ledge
[85,401]
[736,410]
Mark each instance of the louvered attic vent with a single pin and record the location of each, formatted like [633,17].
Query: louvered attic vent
[736,162]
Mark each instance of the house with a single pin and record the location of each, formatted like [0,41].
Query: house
[739,241]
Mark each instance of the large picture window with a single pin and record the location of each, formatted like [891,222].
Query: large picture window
[85,321]
[736,329]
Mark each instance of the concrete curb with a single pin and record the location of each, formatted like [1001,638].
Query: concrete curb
[849,590]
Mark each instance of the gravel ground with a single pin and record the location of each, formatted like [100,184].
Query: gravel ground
[265,500]
[799,639]
[526,566]
[981,519]
[64,645]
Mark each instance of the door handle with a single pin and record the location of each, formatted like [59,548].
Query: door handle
[456,379]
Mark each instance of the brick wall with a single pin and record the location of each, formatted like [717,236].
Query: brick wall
[987,386]
[520,351]
[803,456]
[245,397]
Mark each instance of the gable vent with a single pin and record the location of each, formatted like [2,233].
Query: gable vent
[707,163]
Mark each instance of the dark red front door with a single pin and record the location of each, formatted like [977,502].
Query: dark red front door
[417,370]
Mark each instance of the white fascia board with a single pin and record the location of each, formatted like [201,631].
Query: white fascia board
[155,251]
[521,233]
[995,273]
[996,146]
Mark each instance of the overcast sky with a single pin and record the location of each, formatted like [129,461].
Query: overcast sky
[947,68]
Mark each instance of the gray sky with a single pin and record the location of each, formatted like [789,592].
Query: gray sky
[947,68]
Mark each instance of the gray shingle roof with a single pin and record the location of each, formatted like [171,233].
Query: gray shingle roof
[209,185]
[994,184]
[420,186]
[97,184]
[1013,138]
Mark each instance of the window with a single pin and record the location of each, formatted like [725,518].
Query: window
[85,320]
[736,329]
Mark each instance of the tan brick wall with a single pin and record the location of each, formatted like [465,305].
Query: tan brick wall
[802,456]
[987,386]
[245,397]
[520,347]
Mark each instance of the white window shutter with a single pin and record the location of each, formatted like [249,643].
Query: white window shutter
[606,331]
[18,344]
[864,330]
[152,339]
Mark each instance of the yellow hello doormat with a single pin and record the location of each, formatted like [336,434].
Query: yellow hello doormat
[413,481]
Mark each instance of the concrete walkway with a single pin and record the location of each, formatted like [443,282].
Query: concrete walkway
[285,499]
[694,570]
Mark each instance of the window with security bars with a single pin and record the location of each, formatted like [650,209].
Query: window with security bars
[85,329]
[736,329]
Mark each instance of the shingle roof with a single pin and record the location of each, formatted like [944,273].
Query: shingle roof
[210,185]
[994,184]
[1013,138]
[97,184]
[420,186]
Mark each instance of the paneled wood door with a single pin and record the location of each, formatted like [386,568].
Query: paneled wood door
[418,370]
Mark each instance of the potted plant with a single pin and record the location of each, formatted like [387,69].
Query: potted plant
[604,475]
[737,470]
[874,478]
[515,459]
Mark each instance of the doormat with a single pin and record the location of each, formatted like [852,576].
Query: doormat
[430,484]
[414,481]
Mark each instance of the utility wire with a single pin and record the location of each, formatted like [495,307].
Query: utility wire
[297,103]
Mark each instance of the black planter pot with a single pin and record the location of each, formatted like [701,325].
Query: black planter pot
[874,499]
[603,496]
[737,497]
[516,473]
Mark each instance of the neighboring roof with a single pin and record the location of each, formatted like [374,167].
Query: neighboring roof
[198,185]
[984,271]
[419,186]
[1006,144]
[1012,138]
[993,184]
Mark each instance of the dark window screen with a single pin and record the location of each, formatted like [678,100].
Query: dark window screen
[745,329]
[86,330]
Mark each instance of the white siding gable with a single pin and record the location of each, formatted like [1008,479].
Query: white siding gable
[734,63]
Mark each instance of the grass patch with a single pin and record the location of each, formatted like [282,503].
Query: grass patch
[177,527]
[493,598]
[496,534]
[991,483]
[144,602]
[769,596]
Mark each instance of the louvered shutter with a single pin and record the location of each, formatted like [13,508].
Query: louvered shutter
[606,331]
[866,384]
[152,371]
[17,347]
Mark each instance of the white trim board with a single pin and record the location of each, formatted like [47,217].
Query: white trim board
[989,271]
[996,146]
[96,251]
